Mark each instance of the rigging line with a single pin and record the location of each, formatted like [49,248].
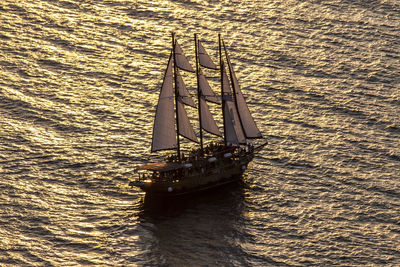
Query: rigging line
[178,149]
[221,63]
[198,89]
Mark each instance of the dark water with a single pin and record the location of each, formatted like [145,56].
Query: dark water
[78,87]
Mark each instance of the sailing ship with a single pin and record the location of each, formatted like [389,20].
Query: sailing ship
[205,166]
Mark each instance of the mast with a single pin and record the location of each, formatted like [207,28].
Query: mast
[198,90]
[178,149]
[221,66]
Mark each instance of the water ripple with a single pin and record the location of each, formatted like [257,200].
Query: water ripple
[79,86]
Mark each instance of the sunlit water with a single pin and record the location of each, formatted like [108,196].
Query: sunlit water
[78,86]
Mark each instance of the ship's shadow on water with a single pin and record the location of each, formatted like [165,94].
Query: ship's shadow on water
[168,207]
[200,229]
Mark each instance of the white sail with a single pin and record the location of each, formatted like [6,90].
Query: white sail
[206,90]
[234,129]
[249,126]
[207,120]
[180,59]
[164,133]
[185,128]
[204,58]
[183,92]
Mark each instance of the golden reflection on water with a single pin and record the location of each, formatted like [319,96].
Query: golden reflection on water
[80,82]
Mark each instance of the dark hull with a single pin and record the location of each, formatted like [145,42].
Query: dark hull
[212,178]
[157,190]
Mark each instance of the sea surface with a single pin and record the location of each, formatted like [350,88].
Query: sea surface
[79,81]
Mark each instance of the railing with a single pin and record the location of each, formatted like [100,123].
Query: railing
[200,160]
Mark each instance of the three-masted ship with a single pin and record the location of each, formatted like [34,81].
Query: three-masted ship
[205,166]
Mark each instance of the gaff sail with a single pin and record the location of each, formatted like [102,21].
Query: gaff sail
[233,128]
[247,121]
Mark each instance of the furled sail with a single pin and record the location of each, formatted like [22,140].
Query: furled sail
[204,58]
[183,92]
[206,90]
[164,133]
[207,121]
[180,59]
[249,126]
[185,128]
